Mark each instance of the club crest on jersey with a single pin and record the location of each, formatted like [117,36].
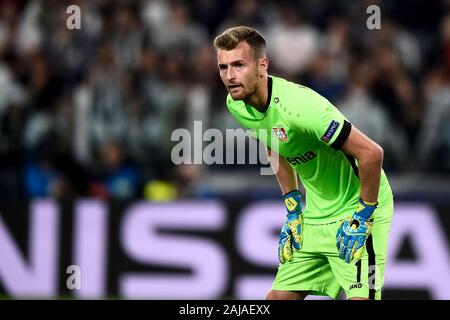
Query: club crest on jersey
[280,133]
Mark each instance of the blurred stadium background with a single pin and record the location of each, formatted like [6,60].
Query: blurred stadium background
[86,116]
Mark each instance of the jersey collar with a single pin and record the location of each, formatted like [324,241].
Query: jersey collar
[269,90]
[255,114]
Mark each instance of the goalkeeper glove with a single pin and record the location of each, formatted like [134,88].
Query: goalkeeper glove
[291,232]
[353,232]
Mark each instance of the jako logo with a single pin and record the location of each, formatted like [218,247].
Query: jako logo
[302,158]
[355,286]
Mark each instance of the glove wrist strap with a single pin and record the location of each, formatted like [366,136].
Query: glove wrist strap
[293,201]
[370,204]
[365,209]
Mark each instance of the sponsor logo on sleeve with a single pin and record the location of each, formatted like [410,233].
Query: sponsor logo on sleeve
[330,131]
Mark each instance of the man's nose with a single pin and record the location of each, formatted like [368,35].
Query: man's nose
[230,74]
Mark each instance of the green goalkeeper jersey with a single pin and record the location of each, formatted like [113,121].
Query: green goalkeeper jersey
[308,131]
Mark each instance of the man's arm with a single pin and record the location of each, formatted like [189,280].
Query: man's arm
[370,160]
[291,237]
[352,234]
[286,175]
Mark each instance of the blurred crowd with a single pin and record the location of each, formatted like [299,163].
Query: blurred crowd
[90,112]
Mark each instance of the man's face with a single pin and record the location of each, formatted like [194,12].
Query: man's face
[239,70]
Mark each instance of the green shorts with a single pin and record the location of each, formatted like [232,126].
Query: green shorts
[317,268]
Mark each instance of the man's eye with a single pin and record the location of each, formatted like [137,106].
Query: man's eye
[222,67]
[239,65]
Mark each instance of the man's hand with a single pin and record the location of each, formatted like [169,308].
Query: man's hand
[291,233]
[353,232]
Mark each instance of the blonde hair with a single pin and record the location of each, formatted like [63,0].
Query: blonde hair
[231,37]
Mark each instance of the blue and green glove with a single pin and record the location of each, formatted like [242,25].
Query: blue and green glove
[291,233]
[353,232]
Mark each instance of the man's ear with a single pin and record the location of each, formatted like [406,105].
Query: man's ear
[263,65]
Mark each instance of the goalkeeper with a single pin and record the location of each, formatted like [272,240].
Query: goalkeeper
[339,240]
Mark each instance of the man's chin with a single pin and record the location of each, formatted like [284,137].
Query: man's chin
[237,96]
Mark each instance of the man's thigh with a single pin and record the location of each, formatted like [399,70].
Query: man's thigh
[365,278]
[309,271]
